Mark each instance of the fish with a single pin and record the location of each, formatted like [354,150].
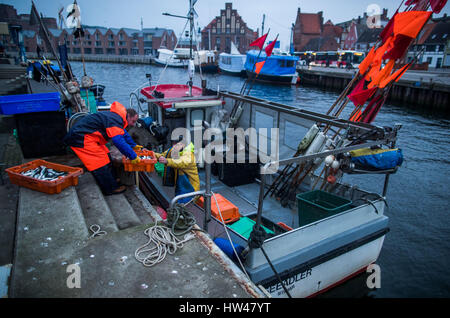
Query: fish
[44,173]
[145,157]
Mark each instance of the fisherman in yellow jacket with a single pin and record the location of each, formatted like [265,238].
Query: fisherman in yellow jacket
[181,159]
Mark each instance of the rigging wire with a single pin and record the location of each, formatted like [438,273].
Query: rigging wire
[167,63]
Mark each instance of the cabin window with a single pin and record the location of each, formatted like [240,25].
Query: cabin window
[197,114]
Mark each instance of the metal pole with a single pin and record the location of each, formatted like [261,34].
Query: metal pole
[207,195]
[261,197]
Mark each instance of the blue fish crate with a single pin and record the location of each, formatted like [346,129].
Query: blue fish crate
[29,103]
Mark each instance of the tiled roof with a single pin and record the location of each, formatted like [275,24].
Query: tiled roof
[439,34]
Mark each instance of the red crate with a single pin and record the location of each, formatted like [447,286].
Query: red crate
[147,165]
[50,187]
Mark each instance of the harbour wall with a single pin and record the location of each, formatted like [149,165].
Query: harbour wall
[423,89]
[103,58]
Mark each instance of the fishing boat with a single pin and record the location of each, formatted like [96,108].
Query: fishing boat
[206,61]
[278,68]
[167,57]
[232,63]
[290,213]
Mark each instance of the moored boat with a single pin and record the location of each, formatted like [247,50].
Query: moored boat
[232,63]
[167,57]
[304,224]
[278,69]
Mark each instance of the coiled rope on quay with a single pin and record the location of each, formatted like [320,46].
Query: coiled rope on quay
[163,240]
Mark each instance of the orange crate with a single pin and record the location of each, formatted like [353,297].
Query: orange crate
[147,165]
[230,212]
[50,187]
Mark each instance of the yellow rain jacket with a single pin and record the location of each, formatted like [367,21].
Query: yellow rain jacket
[184,165]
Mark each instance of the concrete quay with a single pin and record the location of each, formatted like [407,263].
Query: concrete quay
[428,90]
[48,239]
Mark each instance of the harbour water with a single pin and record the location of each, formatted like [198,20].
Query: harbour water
[415,259]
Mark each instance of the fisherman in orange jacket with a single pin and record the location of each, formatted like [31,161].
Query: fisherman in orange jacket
[88,137]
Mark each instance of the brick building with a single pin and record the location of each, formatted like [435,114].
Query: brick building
[312,34]
[228,26]
[354,29]
[97,40]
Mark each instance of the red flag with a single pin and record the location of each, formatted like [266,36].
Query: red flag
[437,5]
[388,29]
[396,76]
[270,47]
[259,42]
[410,23]
[383,74]
[401,44]
[258,66]
[360,98]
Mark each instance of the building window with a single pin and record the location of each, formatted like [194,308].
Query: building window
[121,36]
[110,51]
[98,43]
[122,43]
[111,44]
[97,36]
[218,43]
[110,37]
[98,51]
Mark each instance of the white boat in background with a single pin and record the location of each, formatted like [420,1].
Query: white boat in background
[233,62]
[179,57]
[207,60]
[169,58]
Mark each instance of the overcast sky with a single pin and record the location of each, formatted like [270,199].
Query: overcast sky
[280,14]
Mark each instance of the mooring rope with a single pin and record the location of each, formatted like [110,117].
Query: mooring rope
[96,231]
[163,240]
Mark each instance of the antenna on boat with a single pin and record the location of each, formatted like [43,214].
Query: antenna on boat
[190,17]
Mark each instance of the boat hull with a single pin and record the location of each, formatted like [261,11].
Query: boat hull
[207,68]
[170,64]
[273,79]
[241,73]
[312,281]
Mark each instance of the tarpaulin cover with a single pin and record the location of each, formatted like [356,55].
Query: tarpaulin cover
[377,159]
[274,65]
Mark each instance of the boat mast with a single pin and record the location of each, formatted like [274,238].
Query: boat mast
[191,59]
[190,17]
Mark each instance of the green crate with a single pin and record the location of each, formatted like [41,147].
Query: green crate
[316,205]
[90,101]
[244,226]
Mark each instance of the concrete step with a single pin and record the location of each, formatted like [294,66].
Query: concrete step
[122,211]
[93,204]
[49,227]
[141,206]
